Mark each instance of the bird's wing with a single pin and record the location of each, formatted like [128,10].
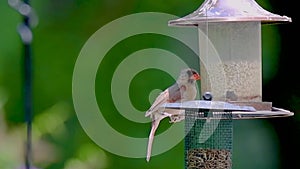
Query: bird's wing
[170,95]
[161,99]
[175,93]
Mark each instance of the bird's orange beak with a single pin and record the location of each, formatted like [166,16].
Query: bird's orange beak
[195,76]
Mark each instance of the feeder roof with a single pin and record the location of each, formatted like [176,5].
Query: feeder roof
[229,10]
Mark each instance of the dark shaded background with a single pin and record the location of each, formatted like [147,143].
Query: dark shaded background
[284,89]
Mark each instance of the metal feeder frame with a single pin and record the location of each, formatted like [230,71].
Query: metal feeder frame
[227,105]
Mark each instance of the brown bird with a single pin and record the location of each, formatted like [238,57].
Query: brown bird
[183,90]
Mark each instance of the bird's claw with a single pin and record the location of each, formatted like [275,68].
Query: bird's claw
[176,118]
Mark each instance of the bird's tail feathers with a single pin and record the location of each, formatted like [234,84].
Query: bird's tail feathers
[155,124]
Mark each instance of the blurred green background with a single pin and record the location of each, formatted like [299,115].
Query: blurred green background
[59,142]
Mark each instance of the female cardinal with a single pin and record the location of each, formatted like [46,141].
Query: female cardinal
[183,90]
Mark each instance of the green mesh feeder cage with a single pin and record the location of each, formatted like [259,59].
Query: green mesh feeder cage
[209,130]
[229,34]
[207,149]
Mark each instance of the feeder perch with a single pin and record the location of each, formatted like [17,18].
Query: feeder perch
[229,34]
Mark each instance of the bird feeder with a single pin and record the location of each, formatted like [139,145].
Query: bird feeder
[231,71]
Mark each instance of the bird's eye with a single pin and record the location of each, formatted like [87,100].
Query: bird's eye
[194,72]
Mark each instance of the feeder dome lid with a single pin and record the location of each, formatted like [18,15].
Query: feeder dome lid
[227,11]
